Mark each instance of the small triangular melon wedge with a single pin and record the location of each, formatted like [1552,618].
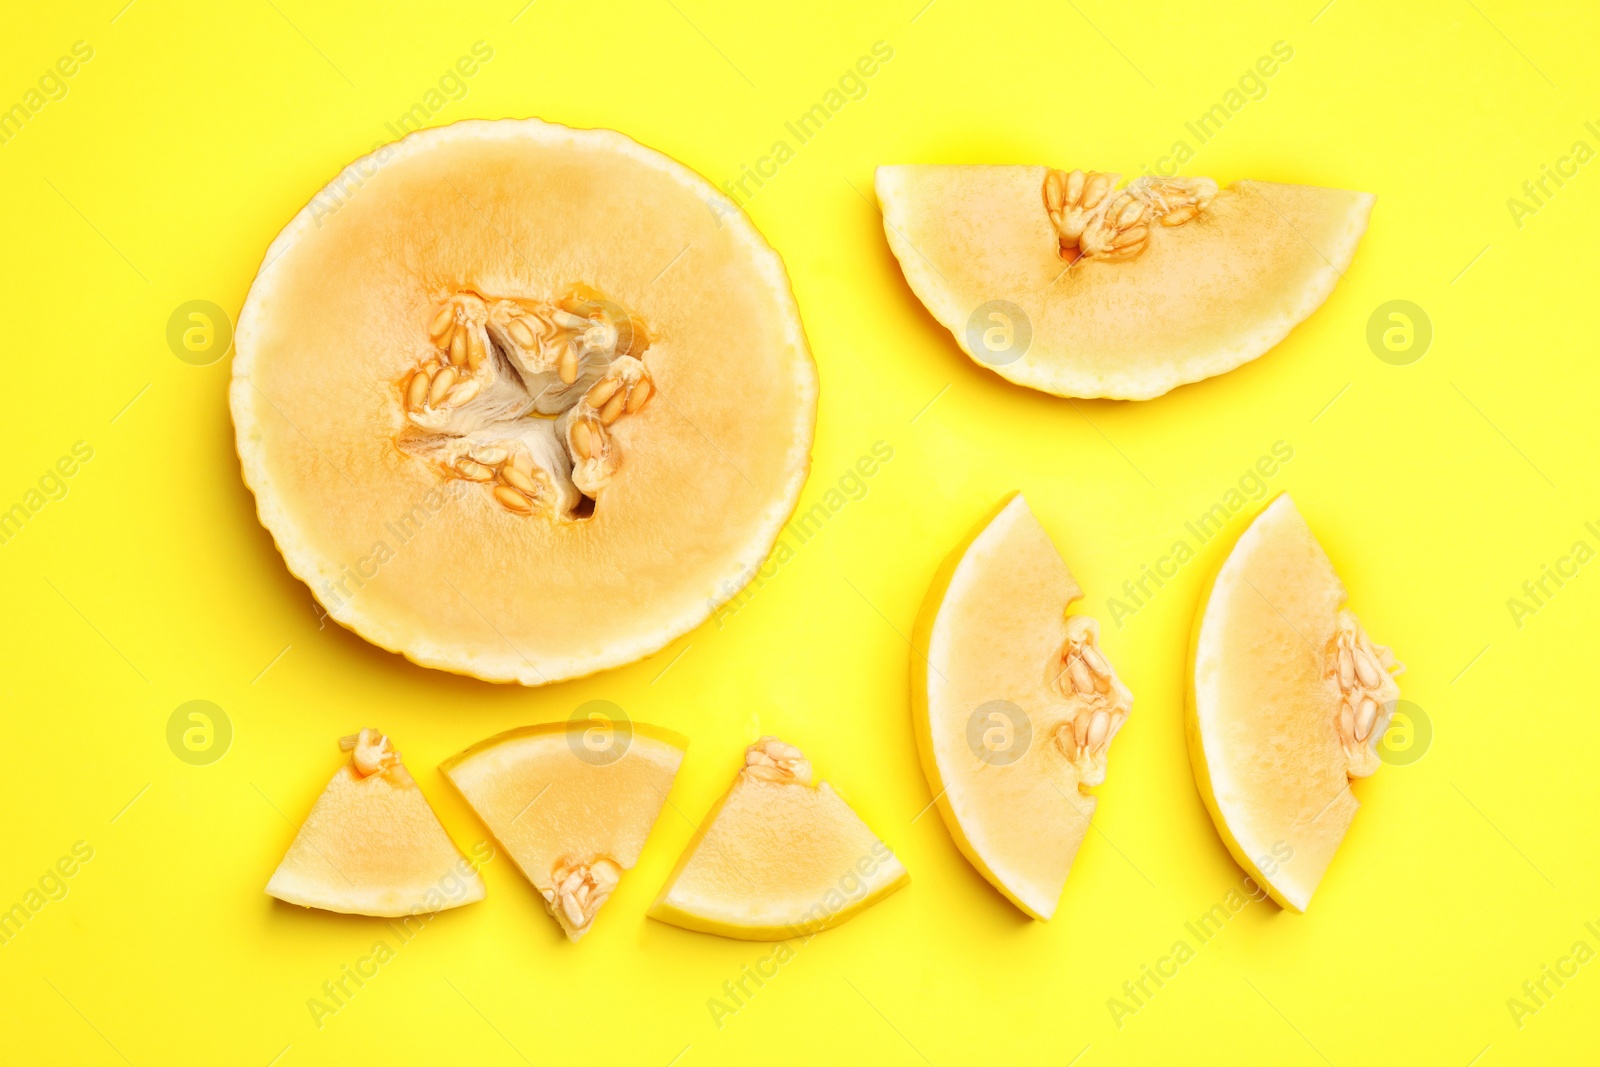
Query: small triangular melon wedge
[1014,706]
[372,845]
[573,811]
[1288,699]
[1106,292]
[779,856]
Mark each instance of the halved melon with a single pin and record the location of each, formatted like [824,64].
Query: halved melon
[522,401]
[372,845]
[572,803]
[1063,283]
[1288,699]
[778,857]
[1014,706]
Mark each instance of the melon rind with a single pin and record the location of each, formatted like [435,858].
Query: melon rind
[1204,298]
[751,903]
[1312,807]
[496,655]
[943,643]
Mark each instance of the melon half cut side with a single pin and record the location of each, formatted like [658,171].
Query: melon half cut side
[572,803]
[372,845]
[1288,701]
[1014,706]
[780,856]
[1062,282]
[522,401]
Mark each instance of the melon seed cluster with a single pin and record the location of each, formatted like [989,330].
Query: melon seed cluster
[1360,669]
[520,396]
[1097,701]
[1094,220]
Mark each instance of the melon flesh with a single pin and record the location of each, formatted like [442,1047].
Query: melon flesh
[572,813]
[1288,700]
[443,489]
[1014,706]
[778,857]
[1195,299]
[372,845]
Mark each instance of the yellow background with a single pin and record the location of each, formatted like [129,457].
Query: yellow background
[197,130]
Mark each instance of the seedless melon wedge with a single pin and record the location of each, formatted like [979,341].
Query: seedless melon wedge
[1062,282]
[1288,699]
[573,803]
[780,856]
[522,401]
[1014,706]
[372,845]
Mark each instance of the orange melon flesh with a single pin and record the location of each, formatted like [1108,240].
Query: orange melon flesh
[778,857]
[985,659]
[560,807]
[340,314]
[1263,709]
[373,846]
[1203,298]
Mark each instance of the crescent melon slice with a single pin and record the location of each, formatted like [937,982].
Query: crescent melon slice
[1064,283]
[572,803]
[779,856]
[1014,706]
[372,845]
[1288,700]
[522,401]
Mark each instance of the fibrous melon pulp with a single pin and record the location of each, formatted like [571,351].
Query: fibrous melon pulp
[573,803]
[779,856]
[529,404]
[1014,706]
[1288,700]
[372,845]
[1062,282]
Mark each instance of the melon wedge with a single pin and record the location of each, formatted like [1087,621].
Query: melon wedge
[521,401]
[1288,699]
[372,845]
[571,806]
[1063,283]
[1014,706]
[778,857]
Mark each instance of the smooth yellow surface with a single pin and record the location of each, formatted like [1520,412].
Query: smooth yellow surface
[1438,489]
